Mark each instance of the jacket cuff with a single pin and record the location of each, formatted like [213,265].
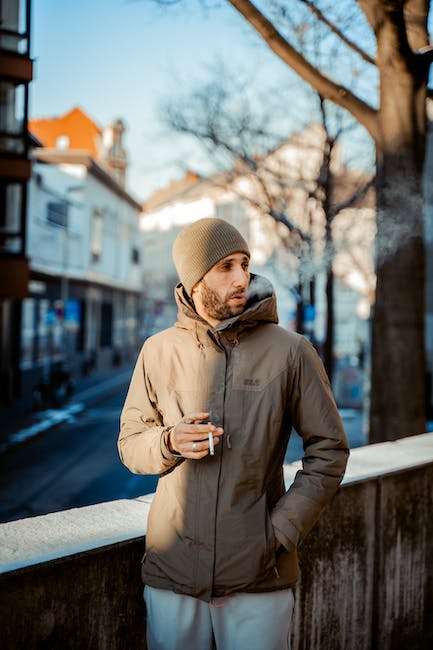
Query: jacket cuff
[165,450]
[289,537]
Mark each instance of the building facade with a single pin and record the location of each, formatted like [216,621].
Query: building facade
[15,77]
[83,243]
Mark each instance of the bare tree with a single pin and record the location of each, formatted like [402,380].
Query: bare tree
[331,207]
[398,127]
[401,54]
[288,193]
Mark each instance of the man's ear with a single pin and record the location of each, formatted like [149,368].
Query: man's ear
[195,289]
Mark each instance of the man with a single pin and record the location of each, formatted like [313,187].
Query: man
[210,408]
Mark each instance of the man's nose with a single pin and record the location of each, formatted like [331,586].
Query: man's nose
[240,278]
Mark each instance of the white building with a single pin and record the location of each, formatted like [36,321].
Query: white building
[84,247]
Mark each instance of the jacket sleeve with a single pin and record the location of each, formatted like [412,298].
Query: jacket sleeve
[143,438]
[315,417]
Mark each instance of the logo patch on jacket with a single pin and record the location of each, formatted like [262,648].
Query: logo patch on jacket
[252,382]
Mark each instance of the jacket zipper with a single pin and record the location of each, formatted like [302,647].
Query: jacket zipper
[220,465]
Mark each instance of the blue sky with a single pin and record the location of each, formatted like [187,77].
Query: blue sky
[121,58]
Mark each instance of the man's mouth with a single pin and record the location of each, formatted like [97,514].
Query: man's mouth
[239,297]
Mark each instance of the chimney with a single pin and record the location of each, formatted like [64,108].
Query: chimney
[113,155]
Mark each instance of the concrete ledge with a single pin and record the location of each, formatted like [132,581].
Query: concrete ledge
[380,459]
[39,539]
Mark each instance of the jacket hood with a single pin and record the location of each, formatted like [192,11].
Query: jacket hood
[261,307]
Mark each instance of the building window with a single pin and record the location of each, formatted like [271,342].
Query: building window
[82,331]
[14,21]
[11,196]
[43,346]
[57,213]
[96,242]
[106,324]
[11,201]
[27,333]
[135,256]
[12,117]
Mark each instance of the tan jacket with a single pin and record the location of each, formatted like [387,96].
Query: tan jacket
[213,522]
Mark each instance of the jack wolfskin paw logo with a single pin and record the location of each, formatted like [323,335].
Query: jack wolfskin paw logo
[251,382]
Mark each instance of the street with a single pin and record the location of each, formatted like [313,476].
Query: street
[72,465]
[76,464]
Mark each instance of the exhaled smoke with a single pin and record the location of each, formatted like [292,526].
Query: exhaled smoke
[259,288]
[400,221]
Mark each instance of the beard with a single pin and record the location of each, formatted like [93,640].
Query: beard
[216,307]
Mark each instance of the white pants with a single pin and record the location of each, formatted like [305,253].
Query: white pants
[238,622]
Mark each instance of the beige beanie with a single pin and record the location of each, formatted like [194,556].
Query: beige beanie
[201,245]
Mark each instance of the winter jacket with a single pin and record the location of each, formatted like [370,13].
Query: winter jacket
[214,522]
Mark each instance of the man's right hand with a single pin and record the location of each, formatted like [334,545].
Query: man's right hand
[190,439]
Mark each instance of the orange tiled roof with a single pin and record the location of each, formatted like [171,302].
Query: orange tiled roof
[171,190]
[81,130]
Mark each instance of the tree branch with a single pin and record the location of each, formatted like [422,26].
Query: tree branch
[373,11]
[352,200]
[405,23]
[265,209]
[416,19]
[363,112]
[320,16]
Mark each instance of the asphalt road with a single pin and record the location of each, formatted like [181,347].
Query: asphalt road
[76,464]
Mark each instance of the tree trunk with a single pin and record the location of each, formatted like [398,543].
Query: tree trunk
[328,348]
[300,309]
[398,374]
[326,175]
[398,358]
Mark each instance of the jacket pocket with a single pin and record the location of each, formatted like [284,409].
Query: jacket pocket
[271,555]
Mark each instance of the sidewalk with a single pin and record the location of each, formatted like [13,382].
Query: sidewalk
[18,427]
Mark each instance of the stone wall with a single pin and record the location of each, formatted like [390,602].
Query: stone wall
[91,601]
[367,566]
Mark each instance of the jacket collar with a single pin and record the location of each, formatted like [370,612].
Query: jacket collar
[260,308]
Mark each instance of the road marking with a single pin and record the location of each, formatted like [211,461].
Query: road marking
[51,418]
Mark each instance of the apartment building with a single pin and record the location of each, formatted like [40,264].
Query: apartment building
[83,305]
[16,73]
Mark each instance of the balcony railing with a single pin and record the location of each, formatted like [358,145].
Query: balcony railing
[72,579]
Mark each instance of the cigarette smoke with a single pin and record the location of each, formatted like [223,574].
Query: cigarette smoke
[259,288]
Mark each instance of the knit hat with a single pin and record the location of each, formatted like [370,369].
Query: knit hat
[201,245]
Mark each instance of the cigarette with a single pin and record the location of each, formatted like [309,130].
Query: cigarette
[211,445]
